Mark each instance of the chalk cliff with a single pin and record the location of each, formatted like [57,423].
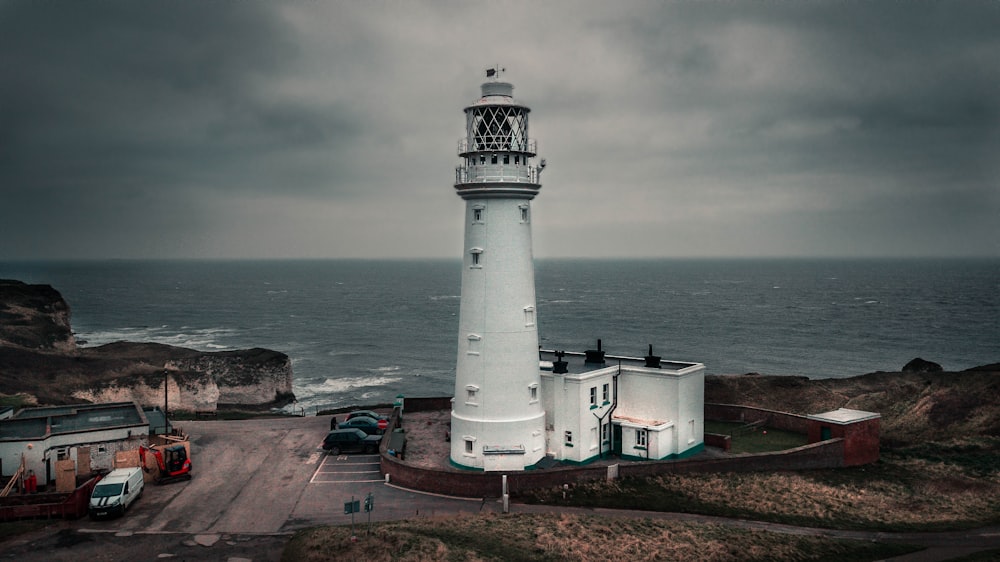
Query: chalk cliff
[40,357]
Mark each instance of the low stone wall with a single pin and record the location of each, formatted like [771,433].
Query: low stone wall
[718,441]
[476,484]
[828,454]
[747,414]
[426,404]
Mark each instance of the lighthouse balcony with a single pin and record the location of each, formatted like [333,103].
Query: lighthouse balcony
[497,173]
[499,142]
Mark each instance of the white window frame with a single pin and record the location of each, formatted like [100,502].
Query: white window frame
[475,344]
[529,316]
[476,258]
[641,438]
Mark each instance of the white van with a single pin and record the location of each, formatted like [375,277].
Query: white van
[115,492]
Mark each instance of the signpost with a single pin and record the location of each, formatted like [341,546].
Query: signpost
[351,508]
[354,506]
[369,506]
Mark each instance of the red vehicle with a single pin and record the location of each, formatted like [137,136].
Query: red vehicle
[173,463]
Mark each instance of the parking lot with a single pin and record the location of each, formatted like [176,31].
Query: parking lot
[347,469]
[269,476]
[254,482]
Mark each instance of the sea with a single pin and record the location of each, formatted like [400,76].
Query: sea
[361,332]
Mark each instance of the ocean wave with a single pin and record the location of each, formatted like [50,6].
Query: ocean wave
[360,382]
[444,297]
[343,353]
[202,339]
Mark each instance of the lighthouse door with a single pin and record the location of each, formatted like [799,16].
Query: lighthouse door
[616,442]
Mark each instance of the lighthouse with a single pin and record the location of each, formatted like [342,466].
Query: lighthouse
[497,418]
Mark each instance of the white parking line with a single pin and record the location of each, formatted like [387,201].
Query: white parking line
[345,462]
[346,481]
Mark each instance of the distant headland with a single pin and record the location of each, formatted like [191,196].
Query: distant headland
[40,358]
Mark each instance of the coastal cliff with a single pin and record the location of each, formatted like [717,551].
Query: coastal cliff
[39,357]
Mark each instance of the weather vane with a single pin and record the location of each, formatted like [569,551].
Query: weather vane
[495,72]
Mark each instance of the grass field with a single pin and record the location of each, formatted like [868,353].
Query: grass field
[756,439]
[571,537]
[929,487]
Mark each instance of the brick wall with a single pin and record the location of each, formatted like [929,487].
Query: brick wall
[827,454]
[861,439]
[747,414]
[718,441]
[476,484]
[426,404]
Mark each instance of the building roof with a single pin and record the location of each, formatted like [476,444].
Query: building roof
[639,421]
[39,423]
[577,362]
[844,416]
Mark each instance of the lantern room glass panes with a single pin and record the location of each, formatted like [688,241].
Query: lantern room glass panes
[498,128]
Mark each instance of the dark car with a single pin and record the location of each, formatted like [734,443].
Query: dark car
[350,441]
[364,423]
[366,413]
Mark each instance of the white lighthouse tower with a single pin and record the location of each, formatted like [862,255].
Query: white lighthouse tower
[497,418]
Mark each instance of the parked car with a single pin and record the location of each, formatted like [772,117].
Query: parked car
[351,440]
[366,413]
[364,423]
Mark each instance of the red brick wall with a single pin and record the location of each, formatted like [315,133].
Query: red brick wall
[723,442]
[426,404]
[861,439]
[473,484]
[466,483]
[748,414]
[862,442]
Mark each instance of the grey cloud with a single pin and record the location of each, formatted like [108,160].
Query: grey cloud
[695,128]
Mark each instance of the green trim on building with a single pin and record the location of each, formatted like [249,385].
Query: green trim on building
[463,467]
[676,457]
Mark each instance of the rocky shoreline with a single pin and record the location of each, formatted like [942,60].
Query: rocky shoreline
[40,358]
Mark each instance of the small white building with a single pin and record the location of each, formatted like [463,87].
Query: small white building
[45,435]
[636,408]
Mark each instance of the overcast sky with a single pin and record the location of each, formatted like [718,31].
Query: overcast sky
[245,129]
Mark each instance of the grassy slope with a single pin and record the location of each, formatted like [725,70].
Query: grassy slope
[939,467]
[570,537]
[948,486]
